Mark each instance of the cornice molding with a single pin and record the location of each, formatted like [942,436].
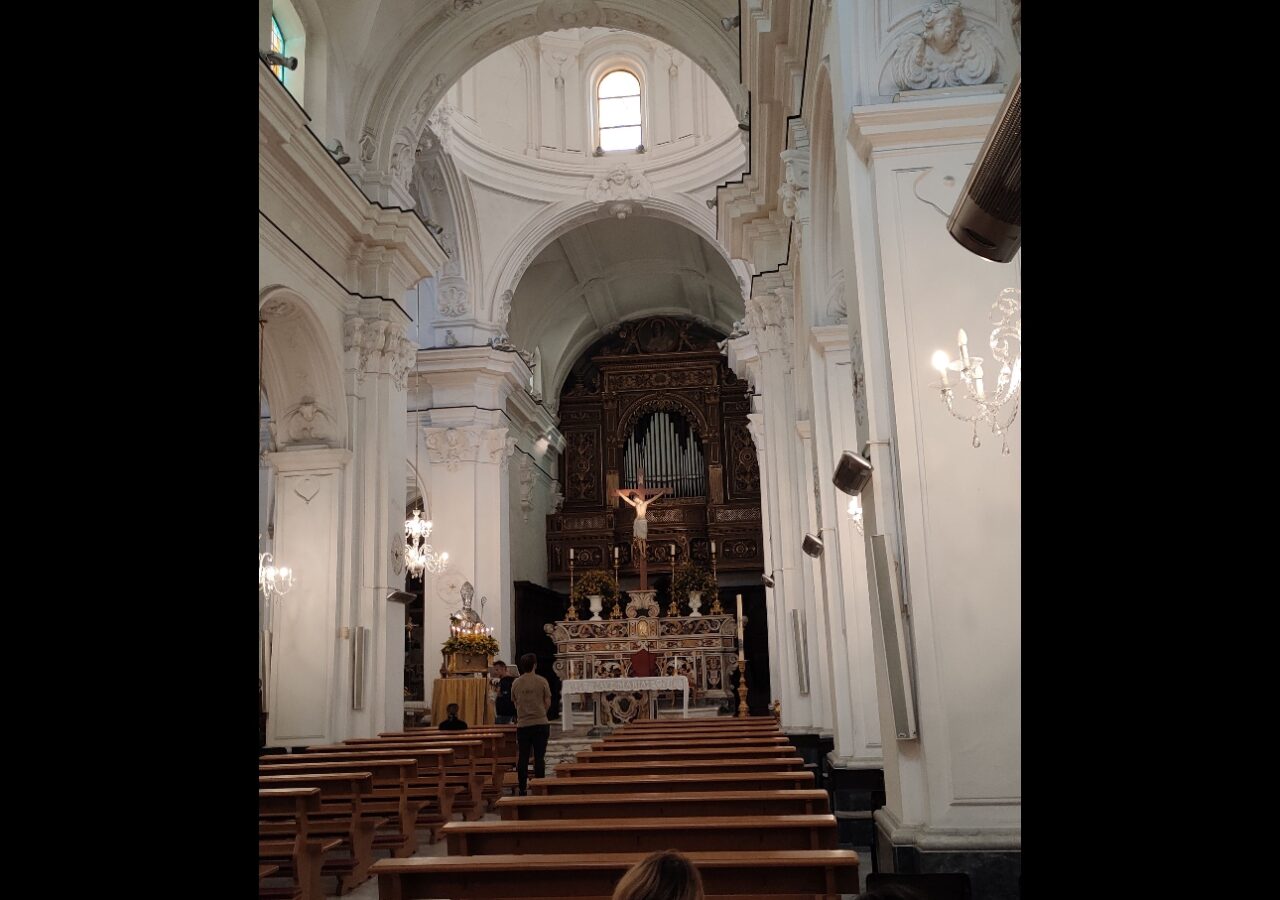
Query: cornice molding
[888,127]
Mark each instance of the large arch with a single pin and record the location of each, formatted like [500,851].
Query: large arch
[558,219]
[303,377]
[393,108]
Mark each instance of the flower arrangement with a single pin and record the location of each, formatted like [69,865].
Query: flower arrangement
[594,581]
[470,643]
[692,577]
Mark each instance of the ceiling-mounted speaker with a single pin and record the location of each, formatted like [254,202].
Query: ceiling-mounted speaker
[987,219]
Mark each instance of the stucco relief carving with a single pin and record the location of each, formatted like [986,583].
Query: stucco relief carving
[504,310]
[556,498]
[508,31]
[769,321]
[526,485]
[619,184]
[794,190]
[556,14]
[465,5]
[498,446]
[368,339]
[950,51]
[307,488]
[402,359]
[453,299]
[306,422]
[278,309]
[629,21]
[368,147]
[402,159]
[452,446]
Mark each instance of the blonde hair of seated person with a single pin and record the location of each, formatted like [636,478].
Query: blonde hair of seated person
[666,875]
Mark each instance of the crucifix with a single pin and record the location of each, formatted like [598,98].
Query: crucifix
[640,497]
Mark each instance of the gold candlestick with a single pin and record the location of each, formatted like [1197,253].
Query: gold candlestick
[617,599]
[716,608]
[572,614]
[674,608]
[742,689]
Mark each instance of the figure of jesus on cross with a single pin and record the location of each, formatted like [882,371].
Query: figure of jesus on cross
[640,497]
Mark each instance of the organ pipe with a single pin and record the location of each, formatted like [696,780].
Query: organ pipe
[669,452]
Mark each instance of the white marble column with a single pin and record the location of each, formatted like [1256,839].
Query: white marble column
[764,358]
[378,357]
[856,725]
[467,443]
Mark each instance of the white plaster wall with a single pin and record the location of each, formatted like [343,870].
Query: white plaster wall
[529,527]
[961,506]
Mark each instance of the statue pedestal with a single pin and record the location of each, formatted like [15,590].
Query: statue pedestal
[642,603]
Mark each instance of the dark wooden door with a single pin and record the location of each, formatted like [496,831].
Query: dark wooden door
[537,606]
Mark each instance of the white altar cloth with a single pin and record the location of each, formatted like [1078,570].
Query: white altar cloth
[595,685]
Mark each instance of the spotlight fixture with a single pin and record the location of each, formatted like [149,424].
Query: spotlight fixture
[336,152]
[812,545]
[768,579]
[853,473]
[271,58]
[728,23]
[435,229]
[711,204]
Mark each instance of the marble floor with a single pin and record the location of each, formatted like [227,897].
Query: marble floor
[561,748]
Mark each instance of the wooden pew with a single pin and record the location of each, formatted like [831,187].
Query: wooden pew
[813,832]
[678,767]
[447,774]
[663,805]
[508,733]
[680,722]
[341,814]
[775,873]
[678,751]
[301,853]
[658,744]
[797,779]
[390,795]
[490,761]
[686,735]
[467,768]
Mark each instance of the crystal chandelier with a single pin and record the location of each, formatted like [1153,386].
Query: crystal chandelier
[273,580]
[855,513]
[997,408]
[419,557]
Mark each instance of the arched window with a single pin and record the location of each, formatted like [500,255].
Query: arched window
[618,111]
[277,46]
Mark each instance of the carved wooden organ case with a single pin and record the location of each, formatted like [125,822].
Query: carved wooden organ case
[654,374]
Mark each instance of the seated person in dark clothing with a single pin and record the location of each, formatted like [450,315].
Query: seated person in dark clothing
[453,723]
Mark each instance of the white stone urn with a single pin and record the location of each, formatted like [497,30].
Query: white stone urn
[695,603]
[597,604]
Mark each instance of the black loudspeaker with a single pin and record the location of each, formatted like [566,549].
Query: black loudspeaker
[987,219]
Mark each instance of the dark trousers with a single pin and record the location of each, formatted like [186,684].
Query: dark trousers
[532,738]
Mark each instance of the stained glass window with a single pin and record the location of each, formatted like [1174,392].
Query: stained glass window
[277,46]
[618,111]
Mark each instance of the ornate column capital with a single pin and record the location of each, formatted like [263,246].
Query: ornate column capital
[452,446]
[378,345]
